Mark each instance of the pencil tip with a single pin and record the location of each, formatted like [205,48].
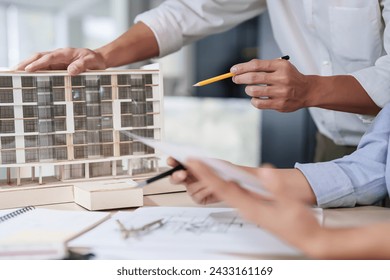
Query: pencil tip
[196,85]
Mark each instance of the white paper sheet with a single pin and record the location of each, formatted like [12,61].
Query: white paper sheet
[227,171]
[187,233]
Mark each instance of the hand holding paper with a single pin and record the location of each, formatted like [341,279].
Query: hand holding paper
[227,171]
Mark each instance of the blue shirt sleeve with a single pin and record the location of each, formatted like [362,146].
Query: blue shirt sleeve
[357,179]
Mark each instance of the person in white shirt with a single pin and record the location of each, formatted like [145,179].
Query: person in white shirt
[339,66]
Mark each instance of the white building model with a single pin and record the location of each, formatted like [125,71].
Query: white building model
[74,123]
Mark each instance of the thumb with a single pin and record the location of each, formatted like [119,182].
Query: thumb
[76,68]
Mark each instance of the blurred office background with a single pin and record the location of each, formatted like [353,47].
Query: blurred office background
[218,117]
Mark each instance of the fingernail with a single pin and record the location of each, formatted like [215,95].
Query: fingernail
[233,69]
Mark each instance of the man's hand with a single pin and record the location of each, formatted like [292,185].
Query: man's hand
[278,85]
[74,60]
[273,84]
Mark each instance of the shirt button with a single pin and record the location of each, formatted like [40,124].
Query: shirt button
[325,62]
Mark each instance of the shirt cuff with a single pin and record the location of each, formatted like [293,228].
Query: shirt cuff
[375,87]
[330,184]
[165,28]
[366,118]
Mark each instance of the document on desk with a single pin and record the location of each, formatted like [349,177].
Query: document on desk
[227,171]
[184,233]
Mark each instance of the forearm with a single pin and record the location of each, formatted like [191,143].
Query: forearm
[286,182]
[370,242]
[293,184]
[340,93]
[137,44]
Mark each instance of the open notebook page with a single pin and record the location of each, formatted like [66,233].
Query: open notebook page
[38,233]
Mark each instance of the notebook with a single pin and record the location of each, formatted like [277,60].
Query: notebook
[37,233]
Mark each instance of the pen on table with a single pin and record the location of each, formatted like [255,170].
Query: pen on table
[161,175]
[225,76]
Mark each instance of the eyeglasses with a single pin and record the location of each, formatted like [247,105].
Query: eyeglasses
[134,232]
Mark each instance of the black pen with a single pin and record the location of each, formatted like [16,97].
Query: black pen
[160,176]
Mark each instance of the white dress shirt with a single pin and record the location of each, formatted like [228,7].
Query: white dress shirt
[322,37]
[361,178]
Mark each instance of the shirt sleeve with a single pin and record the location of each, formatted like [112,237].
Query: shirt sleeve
[357,179]
[376,79]
[179,22]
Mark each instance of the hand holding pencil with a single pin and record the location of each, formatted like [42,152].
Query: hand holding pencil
[273,84]
[224,76]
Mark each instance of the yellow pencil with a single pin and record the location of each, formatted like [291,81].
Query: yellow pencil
[214,79]
[225,76]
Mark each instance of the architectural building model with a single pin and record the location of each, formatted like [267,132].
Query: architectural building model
[74,123]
